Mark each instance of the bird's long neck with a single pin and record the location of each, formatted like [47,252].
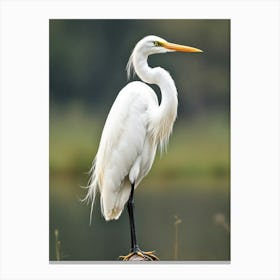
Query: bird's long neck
[166,113]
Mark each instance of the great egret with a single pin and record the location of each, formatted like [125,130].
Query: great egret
[134,128]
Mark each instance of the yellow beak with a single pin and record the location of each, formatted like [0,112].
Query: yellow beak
[179,48]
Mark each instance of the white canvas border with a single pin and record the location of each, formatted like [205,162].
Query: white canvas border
[254,138]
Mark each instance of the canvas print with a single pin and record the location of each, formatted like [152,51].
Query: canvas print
[139,140]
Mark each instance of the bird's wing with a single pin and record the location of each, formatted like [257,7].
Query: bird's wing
[120,148]
[124,134]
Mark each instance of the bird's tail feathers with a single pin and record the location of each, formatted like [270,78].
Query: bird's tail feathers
[92,188]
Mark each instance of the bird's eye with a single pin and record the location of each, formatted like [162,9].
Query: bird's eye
[156,43]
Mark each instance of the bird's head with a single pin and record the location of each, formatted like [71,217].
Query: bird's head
[152,45]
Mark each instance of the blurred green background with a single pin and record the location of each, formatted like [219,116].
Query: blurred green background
[190,183]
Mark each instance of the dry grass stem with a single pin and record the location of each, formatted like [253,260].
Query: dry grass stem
[57,245]
[176,224]
[220,220]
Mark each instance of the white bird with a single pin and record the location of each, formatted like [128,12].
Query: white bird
[134,128]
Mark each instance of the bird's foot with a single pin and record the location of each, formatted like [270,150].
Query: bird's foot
[138,255]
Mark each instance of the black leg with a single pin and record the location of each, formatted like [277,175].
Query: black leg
[130,208]
[135,250]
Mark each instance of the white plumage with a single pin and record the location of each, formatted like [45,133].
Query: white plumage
[135,126]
